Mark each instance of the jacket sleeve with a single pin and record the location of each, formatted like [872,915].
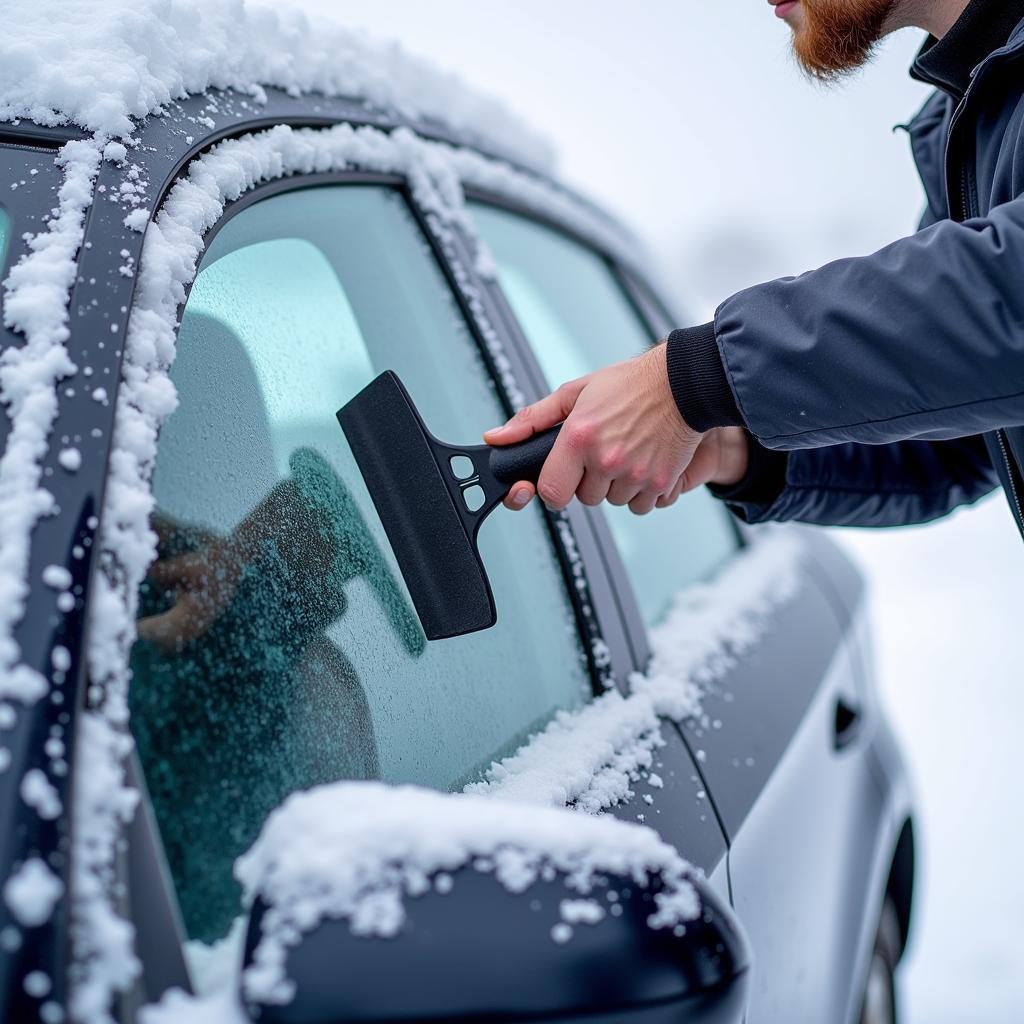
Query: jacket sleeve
[862,485]
[923,339]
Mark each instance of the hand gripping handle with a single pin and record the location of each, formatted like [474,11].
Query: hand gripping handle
[524,460]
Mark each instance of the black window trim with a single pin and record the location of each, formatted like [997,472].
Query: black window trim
[592,524]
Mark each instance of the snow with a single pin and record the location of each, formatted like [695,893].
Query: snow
[102,66]
[115,152]
[177,1007]
[356,851]
[37,984]
[60,657]
[70,459]
[581,911]
[102,941]
[57,576]
[37,791]
[23,684]
[137,220]
[215,967]
[36,294]
[31,892]
[51,1013]
[590,758]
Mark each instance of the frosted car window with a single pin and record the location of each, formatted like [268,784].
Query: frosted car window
[577,318]
[278,646]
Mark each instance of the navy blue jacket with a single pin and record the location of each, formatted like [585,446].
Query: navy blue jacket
[889,389]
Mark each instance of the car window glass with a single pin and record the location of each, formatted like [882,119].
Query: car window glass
[577,318]
[278,645]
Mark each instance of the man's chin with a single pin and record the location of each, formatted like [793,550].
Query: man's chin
[833,38]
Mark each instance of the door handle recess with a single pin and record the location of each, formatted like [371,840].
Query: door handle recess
[847,723]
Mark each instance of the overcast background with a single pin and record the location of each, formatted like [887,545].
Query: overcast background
[690,121]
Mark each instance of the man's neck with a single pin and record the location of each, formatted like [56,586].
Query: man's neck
[936,17]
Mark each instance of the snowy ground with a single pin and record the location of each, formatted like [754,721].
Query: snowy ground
[944,603]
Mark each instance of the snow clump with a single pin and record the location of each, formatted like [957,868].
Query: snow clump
[103,66]
[31,892]
[36,293]
[589,758]
[354,851]
[39,793]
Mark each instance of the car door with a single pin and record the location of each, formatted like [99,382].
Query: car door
[781,736]
[278,648]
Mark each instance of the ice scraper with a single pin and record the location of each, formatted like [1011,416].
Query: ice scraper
[432,498]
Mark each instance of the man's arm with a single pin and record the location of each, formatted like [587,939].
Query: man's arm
[861,485]
[924,338]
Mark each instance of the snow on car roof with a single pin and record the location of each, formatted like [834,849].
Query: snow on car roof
[104,66]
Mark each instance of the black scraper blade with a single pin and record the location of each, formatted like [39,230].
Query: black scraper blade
[431,501]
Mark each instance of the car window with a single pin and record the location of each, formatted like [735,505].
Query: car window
[279,648]
[577,318]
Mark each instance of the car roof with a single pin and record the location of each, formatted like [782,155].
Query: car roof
[187,127]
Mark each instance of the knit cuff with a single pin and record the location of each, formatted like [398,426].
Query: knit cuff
[697,377]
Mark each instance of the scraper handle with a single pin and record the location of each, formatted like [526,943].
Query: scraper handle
[523,461]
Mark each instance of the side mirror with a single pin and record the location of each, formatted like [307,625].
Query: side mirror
[475,952]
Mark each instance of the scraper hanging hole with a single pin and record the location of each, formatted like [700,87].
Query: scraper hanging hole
[431,498]
[474,497]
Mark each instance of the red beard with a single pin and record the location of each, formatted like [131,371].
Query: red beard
[839,36]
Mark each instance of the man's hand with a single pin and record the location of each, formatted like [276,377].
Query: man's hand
[721,458]
[623,439]
[203,582]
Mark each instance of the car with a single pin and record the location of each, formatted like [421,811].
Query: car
[288,249]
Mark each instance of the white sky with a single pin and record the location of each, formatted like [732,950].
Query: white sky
[689,119]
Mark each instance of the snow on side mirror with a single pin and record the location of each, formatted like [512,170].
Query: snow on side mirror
[471,909]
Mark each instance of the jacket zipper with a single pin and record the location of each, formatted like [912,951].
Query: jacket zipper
[965,211]
[1011,476]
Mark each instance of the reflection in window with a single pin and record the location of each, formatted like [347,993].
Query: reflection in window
[577,319]
[278,646]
